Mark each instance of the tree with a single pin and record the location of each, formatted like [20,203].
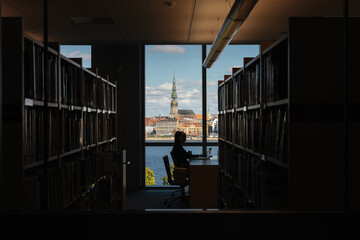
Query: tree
[150,176]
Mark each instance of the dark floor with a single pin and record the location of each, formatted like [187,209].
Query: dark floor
[153,198]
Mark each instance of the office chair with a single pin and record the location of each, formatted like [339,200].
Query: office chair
[173,156]
[179,177]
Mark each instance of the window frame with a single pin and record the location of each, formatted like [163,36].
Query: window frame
[204,143]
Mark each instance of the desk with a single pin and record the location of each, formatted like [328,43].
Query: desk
[203,183]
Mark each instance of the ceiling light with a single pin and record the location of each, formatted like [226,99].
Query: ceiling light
[237,15]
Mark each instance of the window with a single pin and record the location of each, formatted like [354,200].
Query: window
[173,100]
[78,51]
[231,57]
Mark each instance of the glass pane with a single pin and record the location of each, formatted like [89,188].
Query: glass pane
[172,91]
[155,173]
[231,57]
[78,51]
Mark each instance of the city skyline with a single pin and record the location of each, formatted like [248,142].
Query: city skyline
[160,62]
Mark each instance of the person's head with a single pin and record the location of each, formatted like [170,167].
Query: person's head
[180,137]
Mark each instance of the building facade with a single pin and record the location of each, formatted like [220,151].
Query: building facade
[166,127]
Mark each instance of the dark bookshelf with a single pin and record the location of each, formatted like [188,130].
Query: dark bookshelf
[253,134]
[281,145]
[81,124]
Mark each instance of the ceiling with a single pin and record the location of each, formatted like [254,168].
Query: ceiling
[163,21]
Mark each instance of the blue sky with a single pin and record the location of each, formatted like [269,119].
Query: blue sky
[160,63]
[77,51]
[161,60]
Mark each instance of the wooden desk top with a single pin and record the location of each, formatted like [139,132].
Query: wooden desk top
[207,162]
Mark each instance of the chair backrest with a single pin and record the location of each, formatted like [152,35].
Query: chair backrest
[167,167]
[174,159]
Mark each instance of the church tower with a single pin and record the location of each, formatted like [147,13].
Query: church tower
[174,103]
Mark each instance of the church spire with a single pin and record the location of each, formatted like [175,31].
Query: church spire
[174,94]
[174,102]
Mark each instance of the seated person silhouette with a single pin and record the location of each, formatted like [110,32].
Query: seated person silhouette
[179,155]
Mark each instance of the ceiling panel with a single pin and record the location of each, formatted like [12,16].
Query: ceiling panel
[63,27]
[102,33]
[269,19]
[132,18]
[260,22]
[32,9]
[154,21]
[81,8]
[209,16]
[61,17]
[171,23]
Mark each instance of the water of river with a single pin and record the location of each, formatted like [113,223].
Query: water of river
[154,158]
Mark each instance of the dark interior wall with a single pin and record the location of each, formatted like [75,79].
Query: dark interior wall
[13,114]
[123,64]
[327,119]
[317,93]
[1,157]
[353,51]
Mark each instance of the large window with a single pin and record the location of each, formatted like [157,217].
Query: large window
[78,51]
[231,57]
[173,100]
[173,90]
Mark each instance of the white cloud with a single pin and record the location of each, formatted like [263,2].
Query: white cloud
[172,49]
[78,54]
[180,81]
[158,98]
[159,91]
[165,86]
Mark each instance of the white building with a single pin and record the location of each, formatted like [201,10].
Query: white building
[215,125]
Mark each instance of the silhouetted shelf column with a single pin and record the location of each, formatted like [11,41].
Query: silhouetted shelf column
[281,123]
[253,133]
[82,123]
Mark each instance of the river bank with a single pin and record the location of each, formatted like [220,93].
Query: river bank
[171,139]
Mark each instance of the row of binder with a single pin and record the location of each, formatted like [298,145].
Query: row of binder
[261,132]
[67,83]
[248,182]
[246,87]
[67,182]
[68,130]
